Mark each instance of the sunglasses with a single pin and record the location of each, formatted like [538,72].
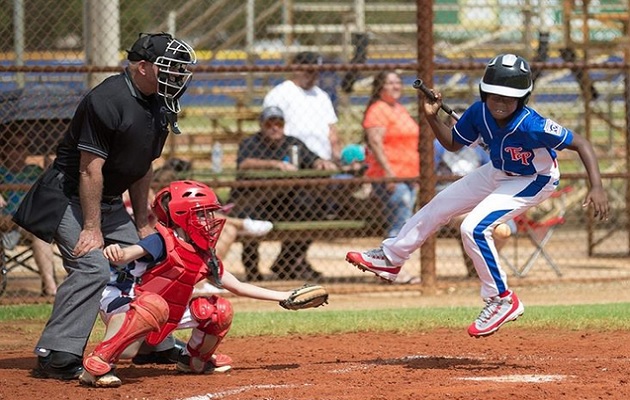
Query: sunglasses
[273,122]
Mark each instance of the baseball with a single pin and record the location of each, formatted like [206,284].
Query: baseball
[502,231]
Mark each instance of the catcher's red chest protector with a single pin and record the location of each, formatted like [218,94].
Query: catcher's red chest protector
[173,279]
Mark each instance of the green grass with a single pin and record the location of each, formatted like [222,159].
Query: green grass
[30,312]
[599,317]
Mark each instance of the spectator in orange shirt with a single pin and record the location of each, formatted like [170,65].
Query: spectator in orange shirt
[392,137]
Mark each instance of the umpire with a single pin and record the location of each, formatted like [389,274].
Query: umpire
[118,129]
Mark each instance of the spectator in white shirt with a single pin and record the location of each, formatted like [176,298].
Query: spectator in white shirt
[308,111]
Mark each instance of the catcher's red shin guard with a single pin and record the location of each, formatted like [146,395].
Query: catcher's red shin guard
[214,315]
[148,312]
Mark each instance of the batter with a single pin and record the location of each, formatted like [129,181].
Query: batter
[523,172]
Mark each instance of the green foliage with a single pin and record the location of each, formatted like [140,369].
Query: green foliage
[136,16]
[45,23]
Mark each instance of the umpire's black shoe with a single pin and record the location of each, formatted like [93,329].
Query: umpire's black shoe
[170,356]
[58,365]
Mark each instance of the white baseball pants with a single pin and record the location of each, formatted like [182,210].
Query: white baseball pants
[490,197]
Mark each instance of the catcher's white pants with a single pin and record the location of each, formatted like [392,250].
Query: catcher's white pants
[491,197]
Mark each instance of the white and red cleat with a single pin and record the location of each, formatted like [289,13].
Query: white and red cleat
[109,379]
[376,262]
[498,310]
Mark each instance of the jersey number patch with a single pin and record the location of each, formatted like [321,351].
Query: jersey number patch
[552,128]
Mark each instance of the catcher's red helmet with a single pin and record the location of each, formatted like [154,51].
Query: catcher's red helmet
[191,206]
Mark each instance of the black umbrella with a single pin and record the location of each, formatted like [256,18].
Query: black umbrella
[40,113]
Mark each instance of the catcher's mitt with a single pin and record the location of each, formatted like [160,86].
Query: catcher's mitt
[308,296]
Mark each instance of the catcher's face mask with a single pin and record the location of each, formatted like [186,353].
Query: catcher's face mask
[173,76]
[191,207]
[172,58]
[203,228]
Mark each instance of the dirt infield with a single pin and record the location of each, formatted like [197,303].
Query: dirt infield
[516,363]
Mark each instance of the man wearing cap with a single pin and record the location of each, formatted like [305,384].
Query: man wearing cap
[118,129]
[308,110]
[271,149]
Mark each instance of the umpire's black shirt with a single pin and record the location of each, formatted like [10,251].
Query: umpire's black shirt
[117,122]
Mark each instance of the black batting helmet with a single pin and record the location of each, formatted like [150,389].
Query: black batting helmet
[507,75]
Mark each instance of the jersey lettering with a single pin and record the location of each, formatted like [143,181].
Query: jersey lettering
[517,154]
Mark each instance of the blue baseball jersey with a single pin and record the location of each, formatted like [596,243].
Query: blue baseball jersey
[526,146]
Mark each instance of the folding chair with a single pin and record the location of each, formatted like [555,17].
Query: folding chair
[538,230]
[18,257]
[12,259]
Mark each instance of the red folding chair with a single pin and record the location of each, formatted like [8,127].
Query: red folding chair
[538,230]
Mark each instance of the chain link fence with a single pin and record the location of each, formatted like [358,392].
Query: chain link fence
[51,53]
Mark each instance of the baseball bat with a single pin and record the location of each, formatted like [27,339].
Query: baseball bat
[418,84]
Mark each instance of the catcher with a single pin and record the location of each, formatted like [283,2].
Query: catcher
[150,292]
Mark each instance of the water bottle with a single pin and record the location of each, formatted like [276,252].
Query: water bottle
[217,157]
[295,156]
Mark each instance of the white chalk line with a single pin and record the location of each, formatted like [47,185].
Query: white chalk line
[230,392]
[526,378]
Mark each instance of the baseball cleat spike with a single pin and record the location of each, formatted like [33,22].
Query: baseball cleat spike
[376,262]
[365,269]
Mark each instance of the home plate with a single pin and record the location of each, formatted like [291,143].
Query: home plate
[518,378]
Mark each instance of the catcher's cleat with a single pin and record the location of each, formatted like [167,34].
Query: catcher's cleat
[376,262]
[219,363]
[58,365]
[96,365]
[107,380]
[498,311]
